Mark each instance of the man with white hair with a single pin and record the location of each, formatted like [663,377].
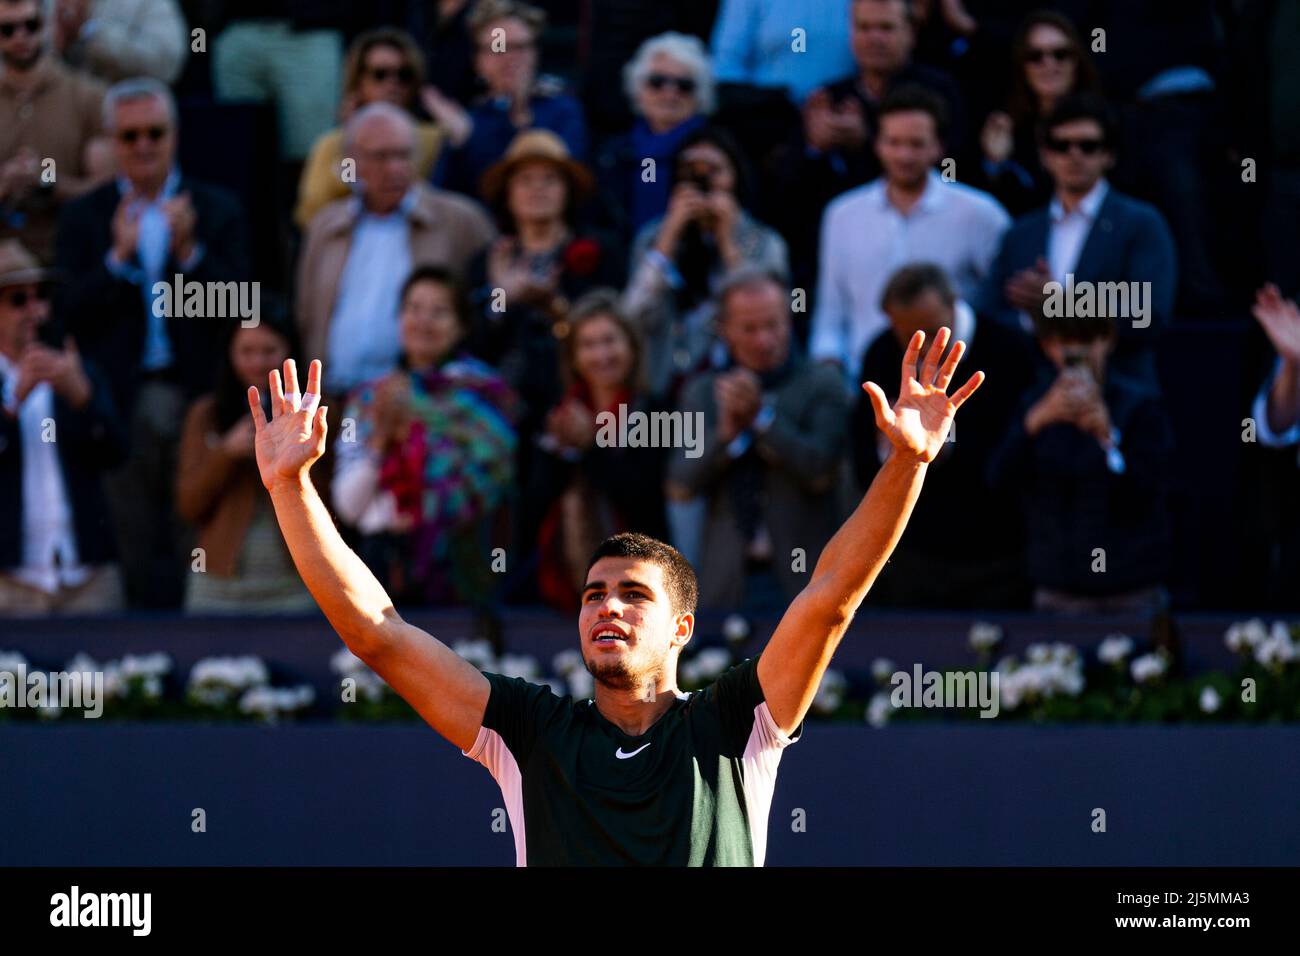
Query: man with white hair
[118,246]
[358,251]
[51,149]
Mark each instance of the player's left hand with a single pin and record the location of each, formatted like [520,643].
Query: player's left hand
[918,424]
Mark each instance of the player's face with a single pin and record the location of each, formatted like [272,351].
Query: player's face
[626,623]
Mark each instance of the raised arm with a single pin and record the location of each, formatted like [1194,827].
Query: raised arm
[791,666]
[444,688]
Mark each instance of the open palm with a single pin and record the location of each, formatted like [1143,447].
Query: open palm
[1281,321]
[918,423]
[287,445]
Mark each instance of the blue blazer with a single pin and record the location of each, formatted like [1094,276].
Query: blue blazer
[1129,242]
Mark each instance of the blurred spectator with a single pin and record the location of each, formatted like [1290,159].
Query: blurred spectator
[358,251]
[441,28]
[505,36]
[1050,63]
[382,66]
[580,491]
[122,247]
[51,145]
[1086,456]
[1276,414]
[1089,231]
[432,458]
[755,43]
[522,285]
[909,214]
[775,428]
[246,565]
[612,33]
[1277,406]
[120,39]
[679,260]
[925,570]
[834,150]
[1162,65]
[670,86]
[59,430]
[287,52]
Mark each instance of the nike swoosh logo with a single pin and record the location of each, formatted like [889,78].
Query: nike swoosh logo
[622,756]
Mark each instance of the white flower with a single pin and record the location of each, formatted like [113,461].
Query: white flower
[566,661]
[711,662]
[344,662]
[879,709]
[581,684]
[145,665]
[270,703]
[984,636]
[479,653]
[1245,634]
[688,672]
[882,669]
[218,680]
[518,665]
[1063,653]
[1115,649]
[12,661]
[830,693]
[82,664]
[1210,700]
[1277,649]
[735,628]
[1038,653]
[1148,667]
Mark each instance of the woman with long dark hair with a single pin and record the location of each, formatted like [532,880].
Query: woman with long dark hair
[1050,62]
[680,258]
[243,565]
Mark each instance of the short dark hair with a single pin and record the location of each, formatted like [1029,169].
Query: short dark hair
[1083,106]
[441,275]
[911,282]
[1072,328]
[679,576]
[912,98]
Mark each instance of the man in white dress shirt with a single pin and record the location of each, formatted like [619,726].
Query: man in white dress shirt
[908,215]
[58,430]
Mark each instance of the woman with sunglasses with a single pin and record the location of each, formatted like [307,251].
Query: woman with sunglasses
[1051,63]
[670,86]
[382,65]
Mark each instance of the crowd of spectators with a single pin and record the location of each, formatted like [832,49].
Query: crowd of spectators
[504,226]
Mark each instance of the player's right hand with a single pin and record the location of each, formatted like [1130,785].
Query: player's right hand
[288,445]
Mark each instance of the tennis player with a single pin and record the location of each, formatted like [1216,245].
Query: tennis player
[643,773]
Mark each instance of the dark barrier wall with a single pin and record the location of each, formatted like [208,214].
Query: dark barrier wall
[121,794]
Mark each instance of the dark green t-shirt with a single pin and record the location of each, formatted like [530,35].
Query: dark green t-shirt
[693,790]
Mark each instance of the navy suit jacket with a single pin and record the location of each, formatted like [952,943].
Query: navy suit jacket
[1129,242]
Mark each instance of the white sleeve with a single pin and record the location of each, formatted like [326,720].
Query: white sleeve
[1259,411]
[356,478]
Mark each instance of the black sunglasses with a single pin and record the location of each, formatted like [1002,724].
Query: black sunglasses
[1058,53]
[31,25]
[658,81]
[382,74]
[1089,146]
[154,133]
[20,297]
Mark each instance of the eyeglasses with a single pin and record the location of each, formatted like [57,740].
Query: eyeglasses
[1088,147]
[32,25]
[154,133]
[18,298]
[382,74]
[658,81]
[1058,53]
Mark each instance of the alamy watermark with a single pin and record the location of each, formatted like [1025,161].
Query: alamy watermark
[208,300]
[640,429]
[64,690]
[951,689]
[1095,300]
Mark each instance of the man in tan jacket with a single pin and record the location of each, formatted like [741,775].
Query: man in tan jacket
[358,251]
